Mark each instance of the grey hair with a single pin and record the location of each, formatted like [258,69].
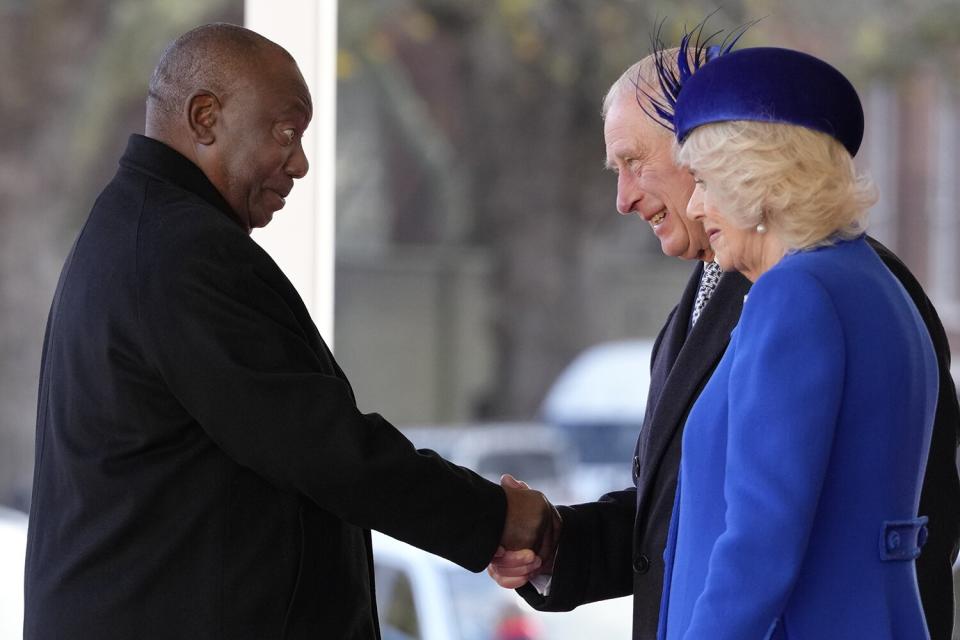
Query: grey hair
[641,74]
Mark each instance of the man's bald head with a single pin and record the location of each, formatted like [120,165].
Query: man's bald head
[211,57]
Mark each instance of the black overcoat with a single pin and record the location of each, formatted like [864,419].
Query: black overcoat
[202,470]
[614,547]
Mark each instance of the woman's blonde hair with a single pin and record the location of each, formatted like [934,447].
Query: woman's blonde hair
[800,183]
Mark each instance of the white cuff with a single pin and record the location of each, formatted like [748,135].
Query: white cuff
[542,583]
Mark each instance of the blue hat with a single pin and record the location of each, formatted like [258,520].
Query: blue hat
[708,84]
[769,84]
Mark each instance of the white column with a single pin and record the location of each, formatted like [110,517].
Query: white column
[881,145]
[301,236]
[944,226]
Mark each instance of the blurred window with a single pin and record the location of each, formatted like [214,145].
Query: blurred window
[529,465]
[603,443]
[398,612]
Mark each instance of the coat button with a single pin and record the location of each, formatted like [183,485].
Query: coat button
[893,541]
[641,564]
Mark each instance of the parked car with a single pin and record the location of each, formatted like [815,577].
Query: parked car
[532,452]
[598,401]
[424,597]
[13,549]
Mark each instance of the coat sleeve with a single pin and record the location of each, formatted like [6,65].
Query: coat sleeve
[228,343]
[595,558]
[785,390]
[594,555]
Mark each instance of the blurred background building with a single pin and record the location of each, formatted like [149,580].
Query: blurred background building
[477,245]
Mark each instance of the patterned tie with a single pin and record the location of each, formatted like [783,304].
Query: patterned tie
[708,282]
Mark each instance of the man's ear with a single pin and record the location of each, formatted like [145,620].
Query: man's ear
[203,109]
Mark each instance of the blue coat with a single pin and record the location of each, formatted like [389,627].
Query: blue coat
[803,460]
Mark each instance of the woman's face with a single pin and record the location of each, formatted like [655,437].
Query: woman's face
[736,248]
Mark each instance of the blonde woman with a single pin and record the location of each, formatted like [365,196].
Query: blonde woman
[796,509]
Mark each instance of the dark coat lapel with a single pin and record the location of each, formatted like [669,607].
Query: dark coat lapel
[684,367]
[670,344]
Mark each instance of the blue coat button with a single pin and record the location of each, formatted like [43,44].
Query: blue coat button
[893,541]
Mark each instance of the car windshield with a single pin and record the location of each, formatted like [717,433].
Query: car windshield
[598,443]
[530,465]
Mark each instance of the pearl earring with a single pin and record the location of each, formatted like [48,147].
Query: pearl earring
[761,228]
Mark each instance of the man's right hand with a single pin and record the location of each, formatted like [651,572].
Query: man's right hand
[530,536]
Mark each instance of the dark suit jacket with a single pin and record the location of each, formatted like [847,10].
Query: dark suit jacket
[614,547]
[202,470]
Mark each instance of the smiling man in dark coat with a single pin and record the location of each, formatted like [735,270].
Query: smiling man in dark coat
[202,470]
[614,547]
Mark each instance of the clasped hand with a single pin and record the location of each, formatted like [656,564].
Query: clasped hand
[530,535]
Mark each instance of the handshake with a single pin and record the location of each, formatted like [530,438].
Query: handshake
[531,532]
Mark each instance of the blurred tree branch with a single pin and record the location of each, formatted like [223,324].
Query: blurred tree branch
[503,140]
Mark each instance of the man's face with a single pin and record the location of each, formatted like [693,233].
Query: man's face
[258,137]
[649,183]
